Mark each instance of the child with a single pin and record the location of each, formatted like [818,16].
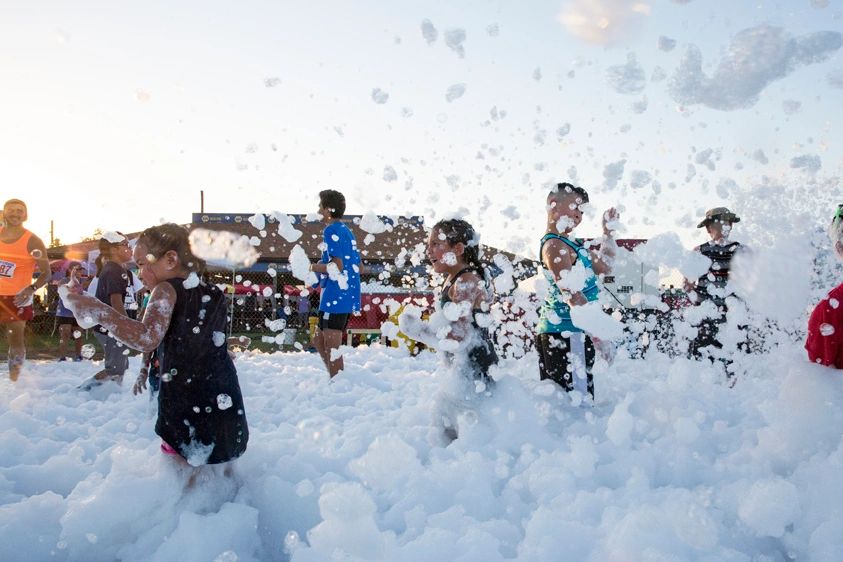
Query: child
[200,408]
[712,286]
[68,328]
[339,278]
[825,327]
[111,290]
[566,353]
[460,325]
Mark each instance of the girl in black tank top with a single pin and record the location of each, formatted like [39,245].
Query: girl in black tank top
[453,250]
[201,416]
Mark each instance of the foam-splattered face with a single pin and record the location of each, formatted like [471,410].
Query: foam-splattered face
[152,270]
[566,210]
[719,230]
[442,254]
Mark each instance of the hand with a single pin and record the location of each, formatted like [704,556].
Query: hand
[412,326]
[24,296]
[610,219]
[140,383]
[577,299]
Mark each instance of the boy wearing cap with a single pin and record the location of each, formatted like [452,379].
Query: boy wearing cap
[712,286]
[20,253]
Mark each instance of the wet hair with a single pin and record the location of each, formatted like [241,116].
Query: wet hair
[333,200]
[458,231]
[565,188]
[171,237]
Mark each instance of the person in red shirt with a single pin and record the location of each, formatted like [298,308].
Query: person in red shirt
[825,327]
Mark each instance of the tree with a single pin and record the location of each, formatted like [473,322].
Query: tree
[95,236]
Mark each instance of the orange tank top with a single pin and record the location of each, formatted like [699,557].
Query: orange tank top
[16,265]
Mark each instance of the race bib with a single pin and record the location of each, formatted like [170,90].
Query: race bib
[7,268]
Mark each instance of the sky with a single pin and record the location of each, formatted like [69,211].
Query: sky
[115,116]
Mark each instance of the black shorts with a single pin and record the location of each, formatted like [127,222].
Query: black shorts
[557,357]
[66,321]
[333,320]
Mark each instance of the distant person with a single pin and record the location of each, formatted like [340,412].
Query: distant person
[825,326]
[566,352]
[201,417]
[68,327]
[712,287]
[112,284]
[339,278]
[20,253]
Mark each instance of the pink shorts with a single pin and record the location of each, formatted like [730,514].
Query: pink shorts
[167,450]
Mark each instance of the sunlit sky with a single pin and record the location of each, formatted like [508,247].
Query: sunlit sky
[115,115]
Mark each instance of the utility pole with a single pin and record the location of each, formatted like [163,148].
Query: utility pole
[202,201]
[52,233]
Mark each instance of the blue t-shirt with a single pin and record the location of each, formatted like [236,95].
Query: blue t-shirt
[340,295]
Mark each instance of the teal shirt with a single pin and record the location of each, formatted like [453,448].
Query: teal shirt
[554,307]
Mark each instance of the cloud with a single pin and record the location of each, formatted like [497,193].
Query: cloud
[627,78]
[811,163]
[602,22]
[756,57]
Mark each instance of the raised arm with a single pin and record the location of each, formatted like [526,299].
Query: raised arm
[144,335]
[603,260]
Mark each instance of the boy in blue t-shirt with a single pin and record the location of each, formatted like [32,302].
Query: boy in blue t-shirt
[339,278]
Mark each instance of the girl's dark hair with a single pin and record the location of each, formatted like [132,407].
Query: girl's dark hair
[98,263]
[333,200]
[171,237]
[458,231]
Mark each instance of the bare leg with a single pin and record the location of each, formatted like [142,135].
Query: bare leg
[318,342]
[332,340]
[77,340]
[64,335]
[17,348]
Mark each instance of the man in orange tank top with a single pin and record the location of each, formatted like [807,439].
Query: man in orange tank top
[20,253]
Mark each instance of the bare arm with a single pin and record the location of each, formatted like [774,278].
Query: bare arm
[604,259]
[469,293]
[145,334]
[39,252]
[323,267]
[36,248]
[117,303]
